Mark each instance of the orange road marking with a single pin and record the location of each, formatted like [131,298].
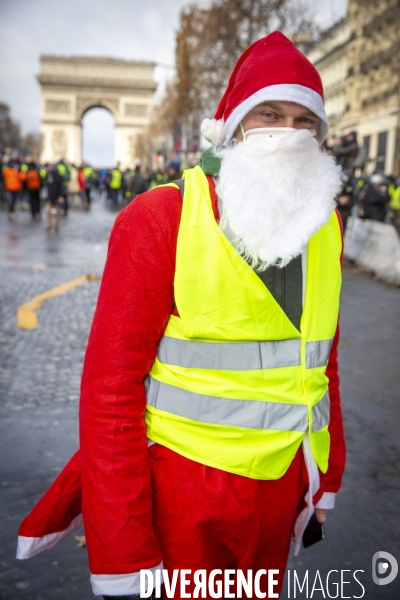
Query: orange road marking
[26,315]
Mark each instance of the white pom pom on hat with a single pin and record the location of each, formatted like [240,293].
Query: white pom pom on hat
[214,131]
[270,69]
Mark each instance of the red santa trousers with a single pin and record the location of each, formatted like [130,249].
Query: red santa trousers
[205,518]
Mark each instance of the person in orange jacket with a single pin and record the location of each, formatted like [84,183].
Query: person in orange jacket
[13,184]
[33,183]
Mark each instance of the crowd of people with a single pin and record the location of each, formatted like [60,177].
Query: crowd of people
[373,196]
[58,186]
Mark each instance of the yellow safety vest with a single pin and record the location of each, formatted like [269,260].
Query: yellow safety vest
[116,179]
[235,385]
[160,179]
[62,169]
[88,171]
[395,199]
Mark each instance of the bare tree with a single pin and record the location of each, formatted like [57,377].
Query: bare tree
[144,149]
[31,145]
[10,133]
[210,40]
[165,112]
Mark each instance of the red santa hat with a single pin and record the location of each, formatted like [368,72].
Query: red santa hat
[270,69]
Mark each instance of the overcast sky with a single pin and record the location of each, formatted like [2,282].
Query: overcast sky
[131,29]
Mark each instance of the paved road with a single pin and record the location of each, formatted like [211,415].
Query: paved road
[366,518]
[40,371]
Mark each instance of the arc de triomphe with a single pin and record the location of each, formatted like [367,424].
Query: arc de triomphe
[71,86]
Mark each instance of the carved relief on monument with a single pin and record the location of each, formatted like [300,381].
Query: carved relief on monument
[82,102]
[132,142]
[58,106]
[135,110]
[59,144]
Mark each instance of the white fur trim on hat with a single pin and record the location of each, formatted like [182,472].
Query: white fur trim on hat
[291,92]
[213,131]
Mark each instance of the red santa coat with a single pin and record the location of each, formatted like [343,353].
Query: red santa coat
[109,480]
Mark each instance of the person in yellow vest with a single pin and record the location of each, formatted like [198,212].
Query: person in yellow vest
[24,167]
[89,182]
[394,204]
[158,178]
[210,420]
[65,174]
[115,185]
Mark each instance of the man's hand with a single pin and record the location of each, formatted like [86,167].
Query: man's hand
[320,514]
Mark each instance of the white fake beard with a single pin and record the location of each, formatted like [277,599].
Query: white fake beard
[275,199]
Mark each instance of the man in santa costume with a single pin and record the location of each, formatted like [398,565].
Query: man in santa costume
[210,420]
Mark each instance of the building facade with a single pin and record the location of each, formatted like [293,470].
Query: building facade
[329,56]
[359,63]
[373,94]
[71,86]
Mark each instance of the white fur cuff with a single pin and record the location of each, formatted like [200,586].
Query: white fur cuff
[119,585]
[327,501]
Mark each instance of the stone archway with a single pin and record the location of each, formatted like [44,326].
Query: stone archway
[98,137]
[71,86]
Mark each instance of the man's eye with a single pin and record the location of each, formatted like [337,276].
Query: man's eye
[268,115]
[306,120]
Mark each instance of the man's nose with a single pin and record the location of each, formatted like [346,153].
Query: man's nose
[289,122]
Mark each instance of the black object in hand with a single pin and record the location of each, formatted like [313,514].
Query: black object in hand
[313,533]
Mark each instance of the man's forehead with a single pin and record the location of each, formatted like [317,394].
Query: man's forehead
[282,105]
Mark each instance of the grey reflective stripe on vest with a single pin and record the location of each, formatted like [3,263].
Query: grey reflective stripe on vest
[317,353]
[226,411]
[321,413]
[237,356]
[242,356]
